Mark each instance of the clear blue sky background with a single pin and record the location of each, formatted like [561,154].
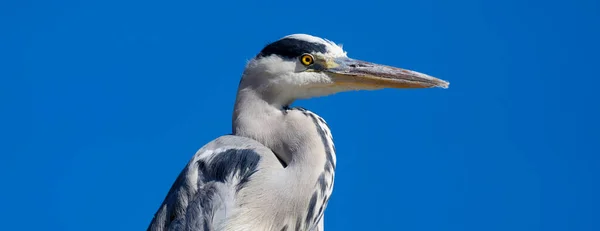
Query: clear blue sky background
[104,102]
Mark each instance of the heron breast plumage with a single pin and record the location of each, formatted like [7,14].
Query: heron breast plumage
[212,185]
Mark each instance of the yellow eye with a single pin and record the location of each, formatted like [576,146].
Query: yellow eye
[307,59]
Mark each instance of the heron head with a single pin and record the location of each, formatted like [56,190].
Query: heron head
[303,66]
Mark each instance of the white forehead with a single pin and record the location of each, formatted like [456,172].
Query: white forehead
[333,49]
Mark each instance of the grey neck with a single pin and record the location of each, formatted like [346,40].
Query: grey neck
[291,134]
[302,141]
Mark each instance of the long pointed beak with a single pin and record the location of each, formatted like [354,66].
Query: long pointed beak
[365,75]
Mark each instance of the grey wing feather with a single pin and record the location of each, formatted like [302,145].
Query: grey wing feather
[205,189]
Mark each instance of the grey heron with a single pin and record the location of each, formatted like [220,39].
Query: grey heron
[276,170]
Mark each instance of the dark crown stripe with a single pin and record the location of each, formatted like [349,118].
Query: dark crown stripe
[292,48]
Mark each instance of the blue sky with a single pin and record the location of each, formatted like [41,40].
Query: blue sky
[104,102]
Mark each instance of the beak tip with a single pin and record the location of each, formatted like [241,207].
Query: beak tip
[439,83]
[444,84]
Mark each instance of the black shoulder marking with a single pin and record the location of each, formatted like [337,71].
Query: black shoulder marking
[292,48]
[241,162]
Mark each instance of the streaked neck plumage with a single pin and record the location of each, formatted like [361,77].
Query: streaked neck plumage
[300,139]
[295,135]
